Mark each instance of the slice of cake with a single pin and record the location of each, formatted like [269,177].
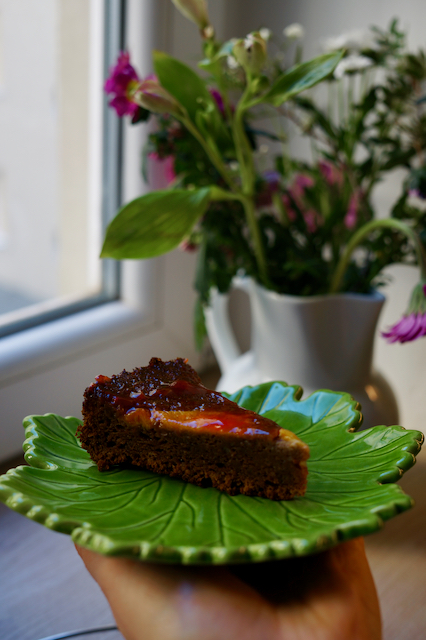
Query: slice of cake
[163,419]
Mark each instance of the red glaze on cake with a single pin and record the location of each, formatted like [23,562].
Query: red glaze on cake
[163,419]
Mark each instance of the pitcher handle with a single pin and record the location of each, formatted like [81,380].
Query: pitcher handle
[221,335]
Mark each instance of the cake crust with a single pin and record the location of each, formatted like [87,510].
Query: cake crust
[162,418]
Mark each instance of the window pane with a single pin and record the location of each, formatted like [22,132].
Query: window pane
[51,75]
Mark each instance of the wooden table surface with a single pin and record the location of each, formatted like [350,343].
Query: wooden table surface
[45,589]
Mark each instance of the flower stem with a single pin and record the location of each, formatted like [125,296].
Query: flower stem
[248,176]
[250,211]
[214,157]
[364,231]
[244,152]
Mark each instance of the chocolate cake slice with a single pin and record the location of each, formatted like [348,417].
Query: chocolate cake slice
[163,419]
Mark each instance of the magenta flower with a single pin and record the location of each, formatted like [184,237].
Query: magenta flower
[121,82]
[218,99]
[413,323]
[408,328]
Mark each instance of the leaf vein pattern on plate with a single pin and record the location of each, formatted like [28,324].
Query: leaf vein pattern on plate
[172,513]
[220,519]
[238,532]
[305,518]
[249,515]
[191,509]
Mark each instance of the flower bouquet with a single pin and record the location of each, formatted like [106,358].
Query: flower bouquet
[304,228]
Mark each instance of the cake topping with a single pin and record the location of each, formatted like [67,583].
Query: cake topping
[178,390]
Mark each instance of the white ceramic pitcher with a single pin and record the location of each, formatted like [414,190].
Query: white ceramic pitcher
[317,342]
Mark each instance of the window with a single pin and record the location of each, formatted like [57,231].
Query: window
[51,158]
[145,308]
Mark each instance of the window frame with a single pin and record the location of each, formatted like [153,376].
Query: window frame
[46,367]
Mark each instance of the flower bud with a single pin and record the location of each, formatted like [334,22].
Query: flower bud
[196,10]
[250,53]
[150,94]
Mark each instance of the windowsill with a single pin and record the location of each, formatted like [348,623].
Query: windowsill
[24,352]
[75,335]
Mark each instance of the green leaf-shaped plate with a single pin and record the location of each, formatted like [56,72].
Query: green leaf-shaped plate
[144,515]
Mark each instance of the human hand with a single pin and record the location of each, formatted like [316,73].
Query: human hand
[328,596]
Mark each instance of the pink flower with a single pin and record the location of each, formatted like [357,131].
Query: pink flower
[331,173]
[167,165]
[301,183]
[408,328]
[312,220]
[295,196]
[414,193]
[122,79]
[169,169]
[351,216]
[413,323]
[297,189]
[291,214]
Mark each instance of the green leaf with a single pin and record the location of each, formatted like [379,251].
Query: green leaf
[140,514]
[217,193]
[191,92]
[302,76]
[183,83]
[154,223]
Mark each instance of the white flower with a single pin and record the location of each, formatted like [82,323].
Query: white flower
[265,33]
[232,62]
[249,41]
[351,64]
[355,40]
[294,31]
